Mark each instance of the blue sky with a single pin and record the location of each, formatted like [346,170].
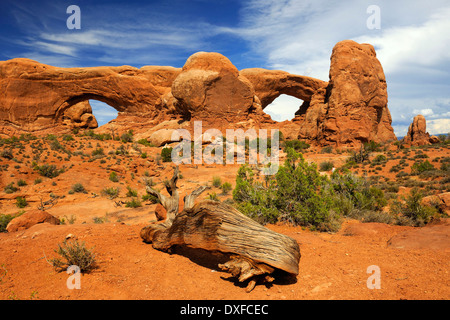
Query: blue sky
[297,36]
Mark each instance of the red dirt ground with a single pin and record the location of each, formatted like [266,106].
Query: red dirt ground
[414,262]
[332,266]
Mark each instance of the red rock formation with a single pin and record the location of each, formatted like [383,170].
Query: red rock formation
[417,133]
[349,109]
[36,96]
[353,107]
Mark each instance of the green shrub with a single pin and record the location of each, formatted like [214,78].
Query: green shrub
[131,192]
[226,187]
[111,192]
[6,218]
[216,182]
[127,137]
[419,167]
[10,188]
[74,253]
[166,154]
[113,176]
[326,166]
[78,188]
[295,194]
[21,183]
[412,210]
[49,170]
[98,152]
[134,203]
[21,202]
[297,145]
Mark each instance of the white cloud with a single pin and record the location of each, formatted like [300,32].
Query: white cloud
[424,112]
[438,126]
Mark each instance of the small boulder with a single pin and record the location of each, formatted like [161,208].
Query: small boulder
[29,219]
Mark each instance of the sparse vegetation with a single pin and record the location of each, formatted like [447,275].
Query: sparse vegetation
[166,154]
[74,253]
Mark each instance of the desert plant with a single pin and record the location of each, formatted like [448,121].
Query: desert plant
[216,182]
[131,192]
[74,253]
[412,211]
[21,183]
[49,170]
[78,188]
[6,218]
[166,154]
[326,166]
[295,194]
[10,188]
[419,167]
[226,187]
[113,176]
[21,202]
[111,192]
[134,203]
[297,145]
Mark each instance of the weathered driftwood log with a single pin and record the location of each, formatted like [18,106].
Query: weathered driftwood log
[256,251]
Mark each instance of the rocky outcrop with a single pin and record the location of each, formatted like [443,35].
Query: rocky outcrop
[352,108]
[29,219]
[417,133]
[36,96]
[349,109]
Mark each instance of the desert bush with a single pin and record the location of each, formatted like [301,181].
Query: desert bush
[166,154]
[113,176]
[372,146]
[21,202]
[111,192]
[131,192]
[216,182]
[127,137]
[297,145]
[145,142]
[411,211]
[7,154]
[226,187]
[419,167]
[98,152]
[10,188]
[359,156]
[21,183]
[74,253]
[78,188]
[295,194]
[48,170]
[326,166]
[327,149]
[133,203]
[6,218]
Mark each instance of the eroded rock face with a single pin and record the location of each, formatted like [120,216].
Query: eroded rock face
[417,133]
[210,87]
[349,109]
[353,106]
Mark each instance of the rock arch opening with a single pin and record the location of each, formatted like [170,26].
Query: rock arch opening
[103,112]
[284,107]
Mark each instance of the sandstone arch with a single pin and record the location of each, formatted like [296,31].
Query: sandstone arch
[270,84]
[348,109]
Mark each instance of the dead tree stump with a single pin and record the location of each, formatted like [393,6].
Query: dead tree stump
[256,251]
